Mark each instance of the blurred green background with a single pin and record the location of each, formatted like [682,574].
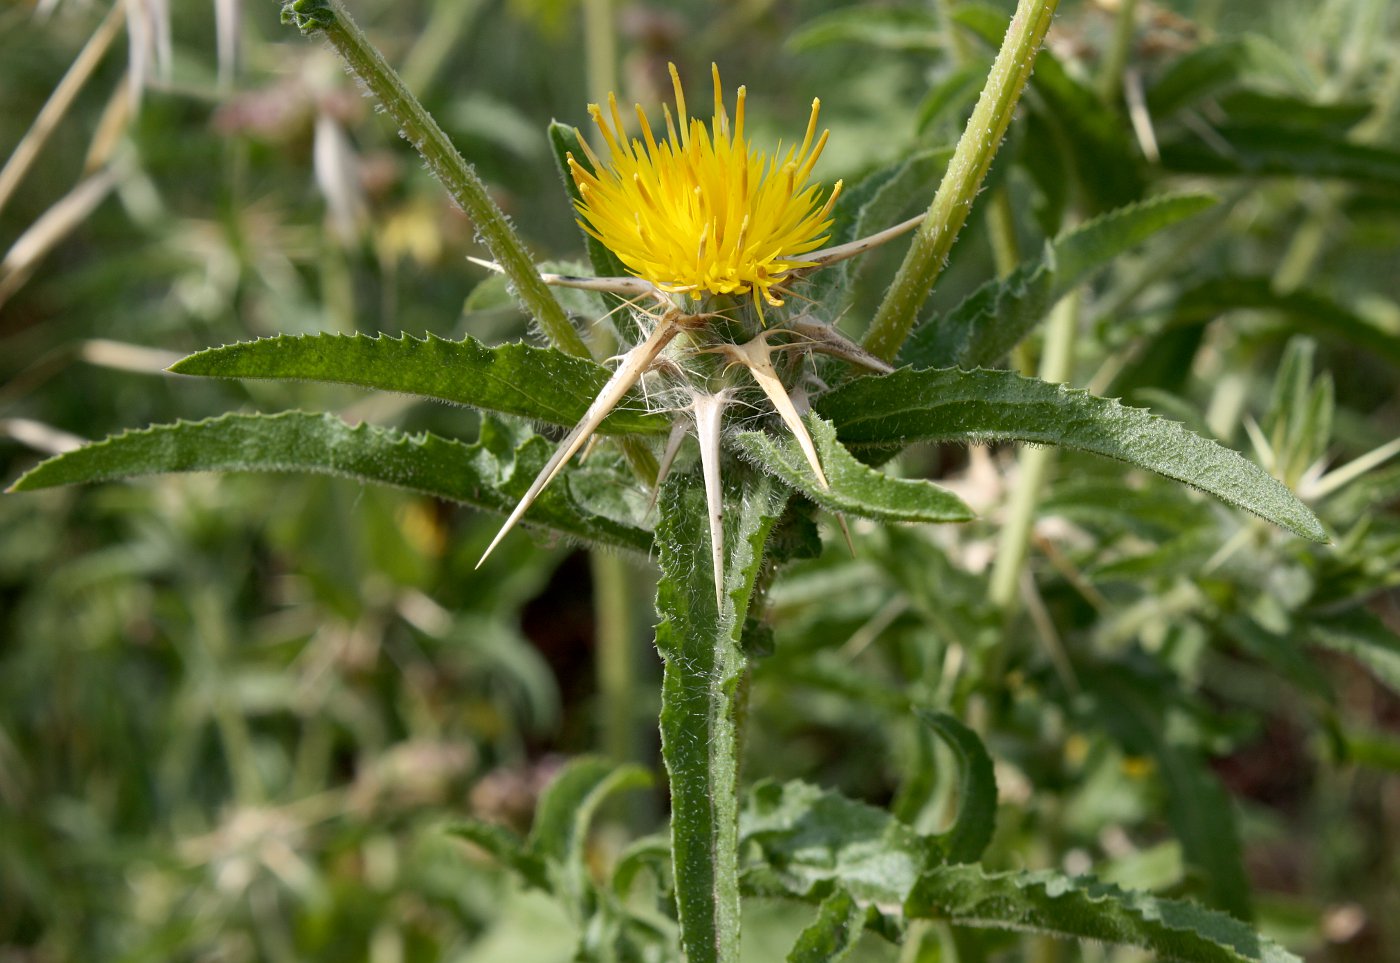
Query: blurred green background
[235,711]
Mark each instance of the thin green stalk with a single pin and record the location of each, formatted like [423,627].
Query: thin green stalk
[617,674]
[600,48]
[1116,57]
[1035,464]
[971,159]
[460,178]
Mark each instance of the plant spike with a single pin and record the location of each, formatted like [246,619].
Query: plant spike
[844,252]
[755,355]
[629,370]
[828,340]
[709,411]
[668,457]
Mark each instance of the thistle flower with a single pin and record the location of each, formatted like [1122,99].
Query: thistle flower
[702,211]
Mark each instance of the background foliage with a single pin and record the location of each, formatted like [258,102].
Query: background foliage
[237,714]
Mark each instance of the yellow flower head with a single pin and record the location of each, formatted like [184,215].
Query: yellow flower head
[701,211]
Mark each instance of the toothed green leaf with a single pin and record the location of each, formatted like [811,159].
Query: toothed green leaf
[954,405]
[488,477]
[516,379]
[507,848]
[994,318]
[855,487]
[1056,905]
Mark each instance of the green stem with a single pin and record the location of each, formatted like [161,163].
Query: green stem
[1056,366]
[1116,57]
[460,178]
[617,676]
[600,48]
[971,159]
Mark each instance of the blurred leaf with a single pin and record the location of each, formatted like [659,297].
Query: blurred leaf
[1309,312]
[886,28]
[1135,707]
[855,487]
[1213,67]
[704,665]
[298,441]
[953,94]
[1365,638]
[950,404]
[1046,902]
[994,318]
[508,849]
[972,832]
[834,932]
[1260,149]
[565,812]
[517,378]
[810,837]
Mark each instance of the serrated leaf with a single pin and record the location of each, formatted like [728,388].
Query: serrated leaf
[977,790]
[1365,638]
[480,475]
[855,487]
[507,848]
[704,665]
[886,28]
[833,934]
[994,318]
[1056,905]
[518,379]
[1254,150]
[811,837]
[953,405]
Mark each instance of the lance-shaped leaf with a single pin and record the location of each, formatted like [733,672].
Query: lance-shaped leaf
[705,664]
[990,321]
[977,790]
[1056,905]
[491,477]
[508,849]
[517,379]
[853,486]
[954,405]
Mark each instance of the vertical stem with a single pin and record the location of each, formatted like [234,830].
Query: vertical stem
[701,694]
[460,178]
[617,676]
[600,49]
[1056,366]
[971,159]
[1116,57]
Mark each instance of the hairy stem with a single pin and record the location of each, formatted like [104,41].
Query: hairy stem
[966,171]
[419,128]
